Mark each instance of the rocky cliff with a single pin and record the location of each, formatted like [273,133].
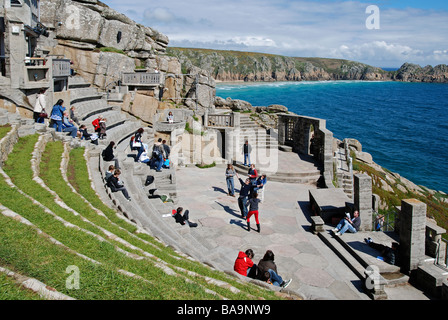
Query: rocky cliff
[414,73]
[247,66]
[102,43]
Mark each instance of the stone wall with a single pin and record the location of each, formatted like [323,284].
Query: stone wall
[7,144]
[297,131]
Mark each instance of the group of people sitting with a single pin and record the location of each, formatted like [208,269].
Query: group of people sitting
[113,181]
[63,121]
[158,158]
[265,270]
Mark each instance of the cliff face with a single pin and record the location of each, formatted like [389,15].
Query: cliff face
[414,73]
[102,43]
[247,66]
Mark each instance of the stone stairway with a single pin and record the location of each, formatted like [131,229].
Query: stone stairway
[345,179]
[359,257]
[89,104]
[278,165]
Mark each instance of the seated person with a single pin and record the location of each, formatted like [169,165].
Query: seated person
[346,223]
[110,172]
[244,264]
[108,153]
[387,254]
[115,184]
[170,117]
[267,271]
[68,126]
[183,218]
[88,136]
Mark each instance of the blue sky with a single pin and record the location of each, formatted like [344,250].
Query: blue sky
[413,31]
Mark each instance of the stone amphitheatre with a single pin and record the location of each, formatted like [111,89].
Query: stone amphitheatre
[66,235]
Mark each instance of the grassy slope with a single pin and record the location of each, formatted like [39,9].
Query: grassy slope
[25,252]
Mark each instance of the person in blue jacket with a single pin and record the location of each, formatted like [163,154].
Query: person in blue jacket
[57,114]
[68,126]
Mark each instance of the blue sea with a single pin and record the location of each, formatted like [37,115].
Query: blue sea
[404,126]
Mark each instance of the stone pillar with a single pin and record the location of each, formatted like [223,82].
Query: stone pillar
[363,199]
[412,233]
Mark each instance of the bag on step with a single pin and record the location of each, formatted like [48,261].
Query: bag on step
[149,180]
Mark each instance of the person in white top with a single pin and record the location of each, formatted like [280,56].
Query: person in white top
[39,107]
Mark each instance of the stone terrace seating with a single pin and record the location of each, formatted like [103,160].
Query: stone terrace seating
[153,214]
[169,269]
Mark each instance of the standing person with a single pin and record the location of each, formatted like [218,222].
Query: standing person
[158,155]
[253,174]
[115,184]
[246,152]
[166,149]
[244,195]
[39,107]
[349,224]
[267,267]
[253,210]
[244,264]
[138,141]
[57,113]
[259,186]
[230,173]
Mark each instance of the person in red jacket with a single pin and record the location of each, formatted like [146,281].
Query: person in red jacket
[96,124]
[244,264]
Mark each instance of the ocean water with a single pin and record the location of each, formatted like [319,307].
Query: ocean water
[404,126]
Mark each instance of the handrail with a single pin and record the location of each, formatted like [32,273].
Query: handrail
[387,224]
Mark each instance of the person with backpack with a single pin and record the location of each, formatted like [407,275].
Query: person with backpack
[57,114]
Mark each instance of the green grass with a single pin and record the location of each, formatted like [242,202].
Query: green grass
[104,252]
[111,49]
[35,256]
[436,208]
[10,290]
[4,130]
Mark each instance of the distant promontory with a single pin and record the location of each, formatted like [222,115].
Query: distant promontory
[229,66]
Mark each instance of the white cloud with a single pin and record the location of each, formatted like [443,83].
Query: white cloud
[254,41]
[158,15]
[299,28]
